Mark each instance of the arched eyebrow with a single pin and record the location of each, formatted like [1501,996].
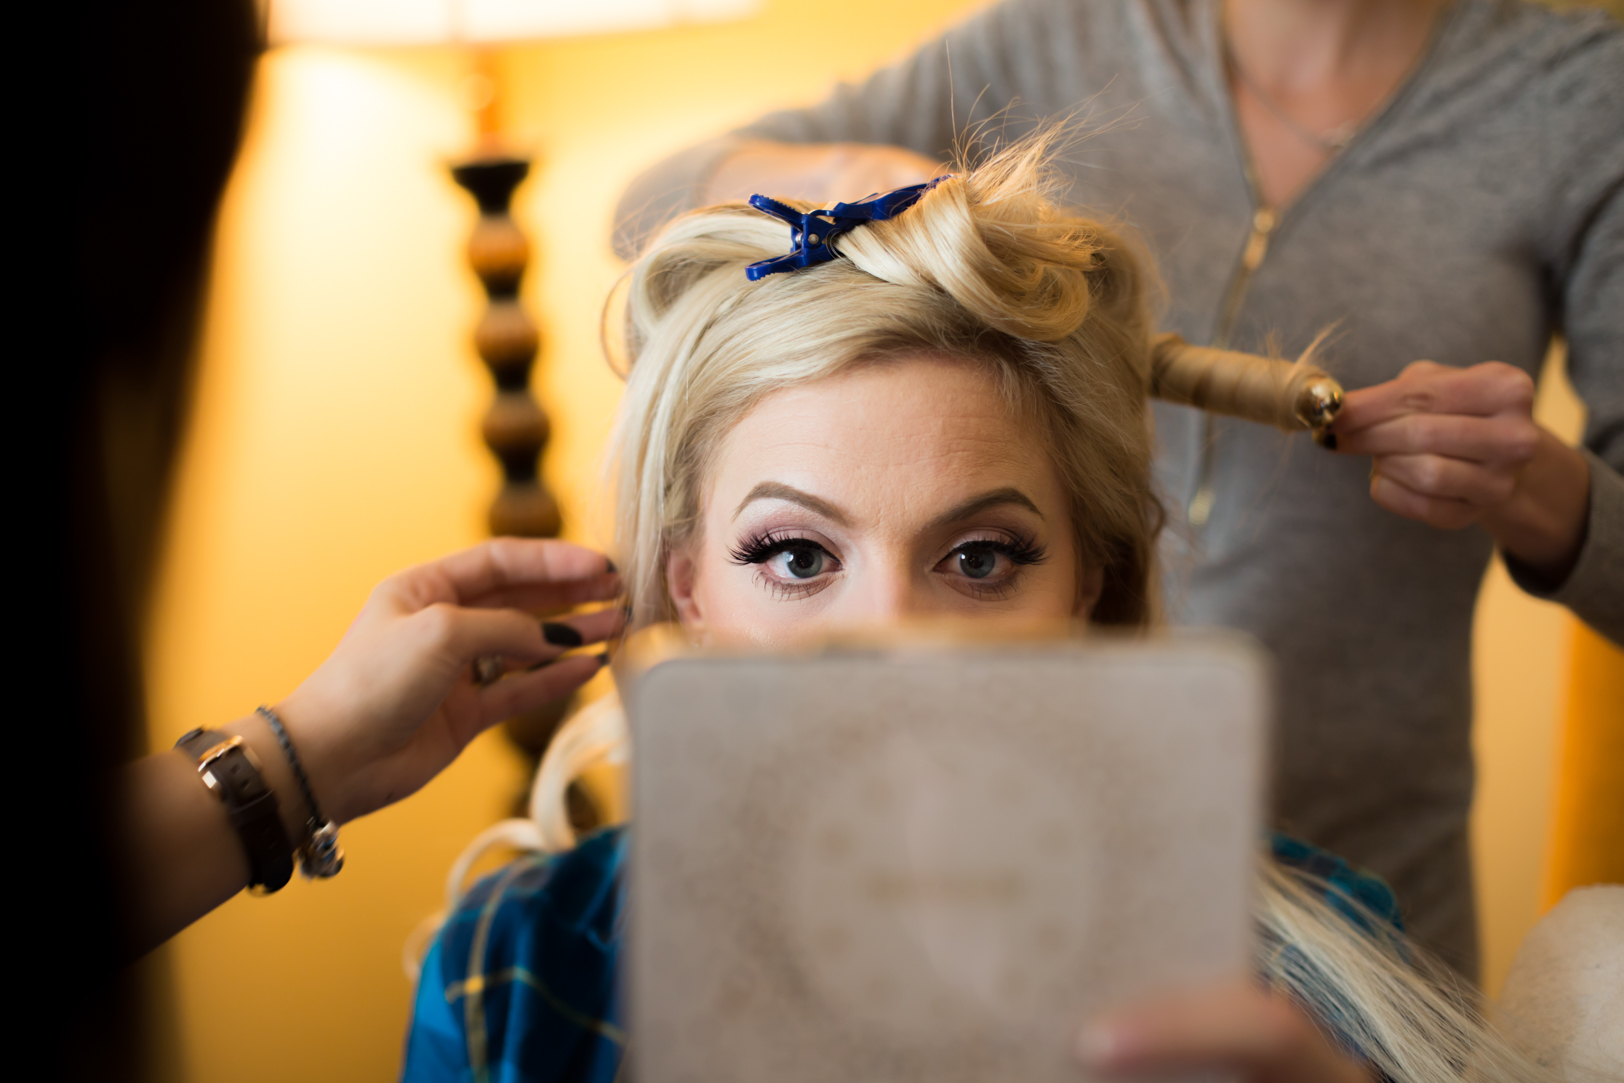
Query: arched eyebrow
[777,490]
[978,504]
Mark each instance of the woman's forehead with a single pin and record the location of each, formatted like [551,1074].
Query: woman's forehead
[913,432]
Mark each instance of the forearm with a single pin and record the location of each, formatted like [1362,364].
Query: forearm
[183,856]
[816,172]
[785,169]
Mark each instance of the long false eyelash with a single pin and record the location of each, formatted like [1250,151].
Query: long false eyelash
[1021,549]
[760,548]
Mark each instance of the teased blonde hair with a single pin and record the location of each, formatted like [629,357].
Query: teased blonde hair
[983,269]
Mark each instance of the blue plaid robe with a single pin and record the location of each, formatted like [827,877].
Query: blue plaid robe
[543,1003]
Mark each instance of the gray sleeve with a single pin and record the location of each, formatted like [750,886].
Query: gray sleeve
[1594,589]
[1593,321]
[953,84]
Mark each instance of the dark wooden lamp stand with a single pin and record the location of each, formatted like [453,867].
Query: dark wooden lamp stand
[515,427]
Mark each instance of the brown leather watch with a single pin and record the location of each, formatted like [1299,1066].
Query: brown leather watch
[229,767]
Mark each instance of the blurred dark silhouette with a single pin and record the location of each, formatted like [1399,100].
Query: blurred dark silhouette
[142,108]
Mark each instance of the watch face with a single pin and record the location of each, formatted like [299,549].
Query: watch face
[932,866]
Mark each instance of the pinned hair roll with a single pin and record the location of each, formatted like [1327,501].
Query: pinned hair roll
[1290,395]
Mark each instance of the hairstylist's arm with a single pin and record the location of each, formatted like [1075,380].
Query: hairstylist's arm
[1239,1028]
[1452,447]
[392,706]
[817,172]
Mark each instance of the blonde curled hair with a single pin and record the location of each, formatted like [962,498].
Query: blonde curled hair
[984,269]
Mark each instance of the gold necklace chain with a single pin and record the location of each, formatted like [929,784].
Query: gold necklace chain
[1334,141]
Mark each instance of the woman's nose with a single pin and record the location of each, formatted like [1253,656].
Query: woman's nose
[894,593]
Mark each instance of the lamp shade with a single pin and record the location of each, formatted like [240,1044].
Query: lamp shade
[429,22]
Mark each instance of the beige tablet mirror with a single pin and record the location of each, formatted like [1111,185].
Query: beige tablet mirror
[932,862]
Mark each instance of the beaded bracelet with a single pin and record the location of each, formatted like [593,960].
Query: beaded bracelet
[320,856]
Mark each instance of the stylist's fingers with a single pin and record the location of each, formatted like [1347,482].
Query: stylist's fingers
[551,597]
[501,564]
[526,690]
[1445,478]
[1235,1027]
[1445,513]
[594,627]
[565,634]
[1507,440]
[457,635]
[1427,388]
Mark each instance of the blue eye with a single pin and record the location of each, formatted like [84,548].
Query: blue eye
[988,566]
[786,558]
[978,562]
[800,562]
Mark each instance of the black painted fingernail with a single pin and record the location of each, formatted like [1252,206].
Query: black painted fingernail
[1326,440]
[560,635]
[609,566]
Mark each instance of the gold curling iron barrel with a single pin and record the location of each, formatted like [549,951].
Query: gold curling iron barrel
[1290,395]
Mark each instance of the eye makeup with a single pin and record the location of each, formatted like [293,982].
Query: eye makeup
[791,566]
[988,568]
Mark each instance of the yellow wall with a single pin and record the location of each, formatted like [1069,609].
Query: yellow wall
[334,440]
[1587,828]
[1521,661]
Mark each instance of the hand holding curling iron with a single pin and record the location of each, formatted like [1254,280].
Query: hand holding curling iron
[1452,447]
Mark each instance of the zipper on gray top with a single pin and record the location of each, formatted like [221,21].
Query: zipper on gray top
[1266,222]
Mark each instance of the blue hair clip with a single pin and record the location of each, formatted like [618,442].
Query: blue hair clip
[812,232]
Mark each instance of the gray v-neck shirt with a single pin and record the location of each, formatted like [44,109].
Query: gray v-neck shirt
[1477,214]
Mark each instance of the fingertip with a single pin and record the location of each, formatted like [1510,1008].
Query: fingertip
[561,635]
[540,685]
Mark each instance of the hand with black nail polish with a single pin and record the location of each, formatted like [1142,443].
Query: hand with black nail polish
[398,699]
[561,635]
[438,653]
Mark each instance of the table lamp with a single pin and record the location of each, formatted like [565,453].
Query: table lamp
[515,426]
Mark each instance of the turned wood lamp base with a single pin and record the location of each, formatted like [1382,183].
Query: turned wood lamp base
[515,428]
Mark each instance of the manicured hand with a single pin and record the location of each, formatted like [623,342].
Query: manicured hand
[825,173]
[397,700]
[1234,1027]
[1452,447]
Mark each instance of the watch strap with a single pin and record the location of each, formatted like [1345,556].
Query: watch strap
[229,768]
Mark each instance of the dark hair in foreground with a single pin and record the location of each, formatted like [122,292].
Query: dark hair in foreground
[142,110]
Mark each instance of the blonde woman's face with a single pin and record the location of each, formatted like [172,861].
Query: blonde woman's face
[895,490]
